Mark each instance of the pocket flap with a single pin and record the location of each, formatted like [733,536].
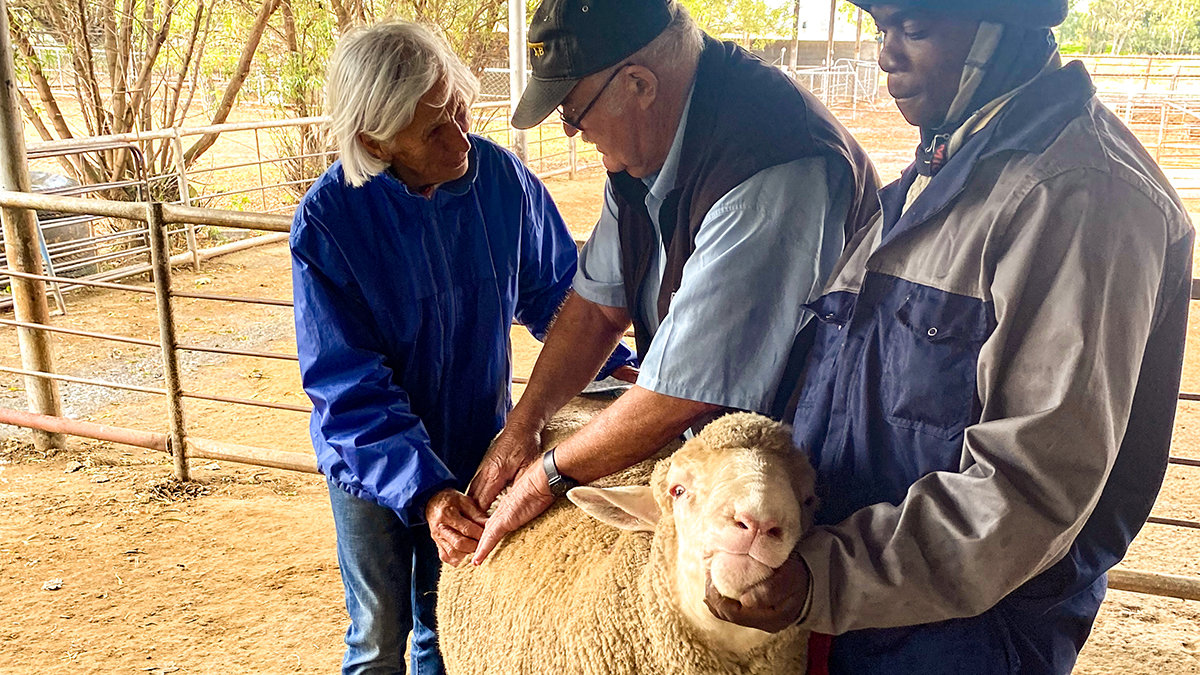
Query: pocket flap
[937,315]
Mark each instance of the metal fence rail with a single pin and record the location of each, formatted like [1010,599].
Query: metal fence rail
[158,217]
[110,244]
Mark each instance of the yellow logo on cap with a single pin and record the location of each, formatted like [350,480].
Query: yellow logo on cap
[538,48]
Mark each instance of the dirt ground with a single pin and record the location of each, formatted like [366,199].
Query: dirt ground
[108,566]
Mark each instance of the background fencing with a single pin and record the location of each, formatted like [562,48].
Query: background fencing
[125,238]
[270,174]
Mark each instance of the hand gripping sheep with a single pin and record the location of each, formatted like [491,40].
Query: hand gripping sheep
[616,586]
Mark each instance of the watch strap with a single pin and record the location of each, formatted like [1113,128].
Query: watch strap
[559,484]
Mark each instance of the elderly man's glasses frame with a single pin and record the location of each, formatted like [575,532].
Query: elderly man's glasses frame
[575,123]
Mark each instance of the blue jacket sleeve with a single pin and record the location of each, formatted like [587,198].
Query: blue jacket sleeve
[367,438]
[548,261]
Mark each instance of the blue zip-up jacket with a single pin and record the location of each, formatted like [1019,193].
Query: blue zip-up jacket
[403,306]
[990,398]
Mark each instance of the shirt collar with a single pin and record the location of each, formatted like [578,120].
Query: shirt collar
[663,182]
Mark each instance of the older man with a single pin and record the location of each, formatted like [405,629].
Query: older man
[411,256]
[730,195]
[991,394]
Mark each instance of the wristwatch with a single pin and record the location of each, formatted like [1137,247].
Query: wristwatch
[559,484]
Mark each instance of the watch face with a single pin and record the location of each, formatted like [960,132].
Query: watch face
[560,485]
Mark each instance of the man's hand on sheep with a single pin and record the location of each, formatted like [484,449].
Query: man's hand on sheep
[772,605]
[455,524]
[529,497]
[516,446]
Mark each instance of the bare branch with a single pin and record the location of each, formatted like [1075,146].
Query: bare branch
[187,64]
[239,77]
[196,68]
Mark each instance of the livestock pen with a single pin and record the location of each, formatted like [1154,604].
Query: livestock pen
[176,440]
[160,434]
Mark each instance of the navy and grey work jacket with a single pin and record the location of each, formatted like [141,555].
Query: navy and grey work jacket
[403,309]
[990,398]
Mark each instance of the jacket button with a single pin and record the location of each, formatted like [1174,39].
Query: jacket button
[931,332]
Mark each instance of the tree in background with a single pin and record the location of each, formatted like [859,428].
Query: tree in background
[747,20]
[1132,27]
[130,63]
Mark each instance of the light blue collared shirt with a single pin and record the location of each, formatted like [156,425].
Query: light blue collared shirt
[763,251]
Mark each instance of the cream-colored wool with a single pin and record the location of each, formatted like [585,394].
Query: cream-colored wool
[568,594]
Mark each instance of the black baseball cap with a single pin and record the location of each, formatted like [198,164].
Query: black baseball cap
[571,39]
[1028,13]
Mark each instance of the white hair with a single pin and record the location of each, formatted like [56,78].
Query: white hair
[677,46]
[376,78]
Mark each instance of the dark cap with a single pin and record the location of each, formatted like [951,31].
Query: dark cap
[1027,13]
[571,39]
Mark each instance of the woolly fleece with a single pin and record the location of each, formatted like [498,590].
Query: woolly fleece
[570,595]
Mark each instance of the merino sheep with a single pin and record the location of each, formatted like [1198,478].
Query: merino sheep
[621,591]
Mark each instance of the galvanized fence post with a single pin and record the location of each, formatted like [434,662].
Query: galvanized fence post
[160,258]
[21,247]
[185,196]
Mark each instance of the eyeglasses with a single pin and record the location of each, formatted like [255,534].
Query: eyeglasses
[575,123]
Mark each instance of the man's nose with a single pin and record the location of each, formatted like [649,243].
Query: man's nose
[889,60]
[569,130]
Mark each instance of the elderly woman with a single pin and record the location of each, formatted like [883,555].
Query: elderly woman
[411,257]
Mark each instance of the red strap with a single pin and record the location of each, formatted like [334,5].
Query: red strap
[819,647]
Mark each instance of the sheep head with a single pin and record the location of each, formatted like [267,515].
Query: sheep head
[732,503]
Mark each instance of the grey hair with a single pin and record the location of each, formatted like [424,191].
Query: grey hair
[678,46]
[376,78]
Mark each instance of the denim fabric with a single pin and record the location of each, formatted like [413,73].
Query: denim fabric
[390,573]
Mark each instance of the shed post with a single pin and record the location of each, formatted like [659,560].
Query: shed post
[795,39]
[829,51]
[21,246]
[516,71]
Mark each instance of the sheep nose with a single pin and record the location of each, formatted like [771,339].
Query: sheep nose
[754,525]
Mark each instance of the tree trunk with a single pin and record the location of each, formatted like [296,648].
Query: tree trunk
[36,120]
[39,81]
[141,87]
[239,77]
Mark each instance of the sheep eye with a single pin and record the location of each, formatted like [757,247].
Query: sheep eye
[678,491]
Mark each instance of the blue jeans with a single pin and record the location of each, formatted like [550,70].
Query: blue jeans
[390,573]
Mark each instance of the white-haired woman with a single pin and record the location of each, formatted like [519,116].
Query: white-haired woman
[412,256]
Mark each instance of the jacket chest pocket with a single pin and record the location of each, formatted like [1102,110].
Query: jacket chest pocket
[930,352]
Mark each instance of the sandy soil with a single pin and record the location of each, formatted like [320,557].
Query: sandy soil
[108,566]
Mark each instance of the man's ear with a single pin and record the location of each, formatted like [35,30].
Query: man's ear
[630,507]
[644,83]
[372,146]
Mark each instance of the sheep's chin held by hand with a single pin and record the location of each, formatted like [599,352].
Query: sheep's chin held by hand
[734,574]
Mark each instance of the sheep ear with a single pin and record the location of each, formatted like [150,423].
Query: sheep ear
[630,507]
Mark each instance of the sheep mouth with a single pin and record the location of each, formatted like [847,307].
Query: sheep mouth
[735,573]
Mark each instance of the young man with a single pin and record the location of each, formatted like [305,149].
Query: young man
[411,256]
[990,400]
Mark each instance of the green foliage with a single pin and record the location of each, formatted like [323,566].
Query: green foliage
[849,11]
[744,20]
[1132,27]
